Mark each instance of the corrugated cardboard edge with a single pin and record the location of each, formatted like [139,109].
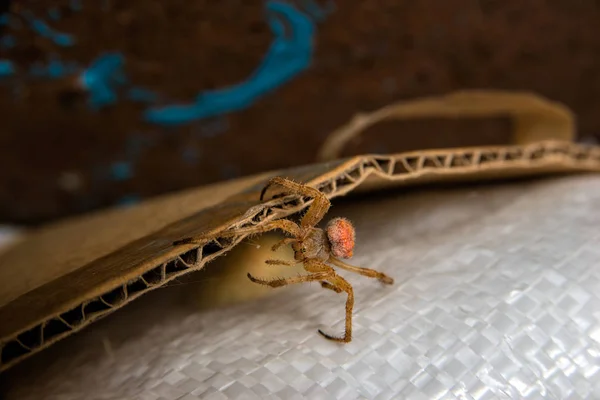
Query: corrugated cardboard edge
[534,118]
[30,324]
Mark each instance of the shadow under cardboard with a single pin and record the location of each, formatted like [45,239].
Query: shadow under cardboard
[193,294]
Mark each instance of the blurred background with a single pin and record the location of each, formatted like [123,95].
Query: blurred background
[105,103]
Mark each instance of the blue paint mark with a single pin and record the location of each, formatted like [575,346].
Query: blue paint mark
[129,200]
[102,78]
[55,69]
[287,57]
[7,68]
[142,95]
[54,14]
[290,53]
[61,39]
[4,19]
[8,41]
[121,171]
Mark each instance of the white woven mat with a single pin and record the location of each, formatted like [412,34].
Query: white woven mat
[497,296]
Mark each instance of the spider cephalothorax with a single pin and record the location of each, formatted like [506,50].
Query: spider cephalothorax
[316,248]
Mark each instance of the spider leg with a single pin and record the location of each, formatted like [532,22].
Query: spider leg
[327,285]
[283,224]
[283,242]
[274,283]
[343,285]
[281,262]
[371,273]
[337,284]
[316,211]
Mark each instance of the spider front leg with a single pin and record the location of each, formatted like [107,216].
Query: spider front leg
[338,285]
[342,285]
[281,262]
[371,273]
[317,209]
[283,242]
[275,283]
[282,224]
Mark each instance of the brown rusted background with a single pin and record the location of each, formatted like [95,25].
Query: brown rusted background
[60,158]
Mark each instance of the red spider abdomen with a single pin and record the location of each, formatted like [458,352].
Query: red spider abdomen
[341,235]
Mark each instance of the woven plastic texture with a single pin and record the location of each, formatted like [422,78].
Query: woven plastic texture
[496,297]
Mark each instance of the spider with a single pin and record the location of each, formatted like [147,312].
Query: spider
[315,248]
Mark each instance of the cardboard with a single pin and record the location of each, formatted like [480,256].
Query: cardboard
[63,277]
[533,118]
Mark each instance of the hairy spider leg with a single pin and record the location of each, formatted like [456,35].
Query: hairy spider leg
[283,224]
[371,273]
[282,242]
[275,283]
[316,211]
[281,262]
[339,284]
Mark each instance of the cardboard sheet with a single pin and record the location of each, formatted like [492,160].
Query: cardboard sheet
[63,277]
